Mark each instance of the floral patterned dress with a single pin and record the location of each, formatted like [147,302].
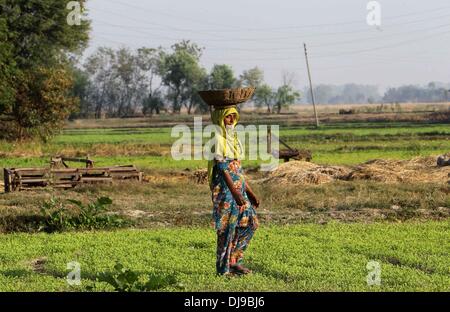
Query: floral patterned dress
[235,225]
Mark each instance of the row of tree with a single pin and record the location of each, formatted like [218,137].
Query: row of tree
[122,82]
[357,94]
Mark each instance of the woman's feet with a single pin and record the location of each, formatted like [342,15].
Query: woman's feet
[239,269]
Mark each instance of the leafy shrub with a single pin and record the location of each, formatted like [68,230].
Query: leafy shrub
[126,280]
[58,217]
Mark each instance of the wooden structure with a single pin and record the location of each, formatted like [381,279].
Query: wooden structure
[287,154]
[60,162]
[17,179]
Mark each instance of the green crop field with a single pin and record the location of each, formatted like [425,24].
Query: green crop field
[150,148]
[333,257]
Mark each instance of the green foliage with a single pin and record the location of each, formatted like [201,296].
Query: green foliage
[59,217]
[81,89]
[154,103]
[55,216]
[181,72]
[264,96]
[307,257]
[286,96]
[221,77]
[42,103]
[253,77]
[35,81]
[127,280]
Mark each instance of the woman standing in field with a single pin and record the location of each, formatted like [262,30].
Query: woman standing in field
[234,202]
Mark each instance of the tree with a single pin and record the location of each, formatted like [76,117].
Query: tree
[7,65]
[411,93]
[130,80]
[42,102]
[104,93]
[181,72]
[154,102]
[147,60]
[348,93]
[264,96]
[221,77]
[36,42]
[285,96]
[81,89]
[253,77]
[122,79]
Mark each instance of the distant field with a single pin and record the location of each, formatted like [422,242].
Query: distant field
[333,257]
[149,148]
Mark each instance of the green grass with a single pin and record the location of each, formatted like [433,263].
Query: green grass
[333,257]
[163,135]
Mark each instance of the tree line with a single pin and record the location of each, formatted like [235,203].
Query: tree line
[122,82]
[357,94]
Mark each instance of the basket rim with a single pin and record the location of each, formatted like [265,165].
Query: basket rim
[216,97]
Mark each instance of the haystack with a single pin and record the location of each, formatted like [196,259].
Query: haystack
[200,176]
[302,172]
[419,169]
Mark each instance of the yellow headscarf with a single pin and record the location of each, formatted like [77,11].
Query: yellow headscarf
[217,117]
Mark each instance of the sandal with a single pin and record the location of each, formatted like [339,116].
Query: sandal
[227,274]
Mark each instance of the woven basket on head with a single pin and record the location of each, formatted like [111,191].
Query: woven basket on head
[226,97]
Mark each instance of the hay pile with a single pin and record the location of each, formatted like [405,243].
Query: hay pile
[302,172]
[200,176]
[420,169]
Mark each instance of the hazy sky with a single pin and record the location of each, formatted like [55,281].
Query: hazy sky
[412,45]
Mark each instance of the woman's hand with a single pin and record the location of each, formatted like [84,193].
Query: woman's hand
[251,196]
[253,199]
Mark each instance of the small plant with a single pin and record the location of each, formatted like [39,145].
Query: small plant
[126,280]
[58,217]
[55,216]
[91,217]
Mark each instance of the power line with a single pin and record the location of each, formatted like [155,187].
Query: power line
[178,17]
[240,29]
[334,43]
[253,39]
[385,46]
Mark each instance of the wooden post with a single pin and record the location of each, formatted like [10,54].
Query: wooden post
[269,139]
[311,87]
[7,179]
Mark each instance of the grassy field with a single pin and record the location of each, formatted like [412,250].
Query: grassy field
[332,257]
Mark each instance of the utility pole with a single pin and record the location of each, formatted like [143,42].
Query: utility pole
[311,87]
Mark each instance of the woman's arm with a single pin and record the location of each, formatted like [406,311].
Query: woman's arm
[236,193]
[251,195]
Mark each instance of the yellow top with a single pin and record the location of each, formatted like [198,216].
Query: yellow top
[222,140]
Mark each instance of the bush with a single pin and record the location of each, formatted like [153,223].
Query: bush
[126,280]
[57,216]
